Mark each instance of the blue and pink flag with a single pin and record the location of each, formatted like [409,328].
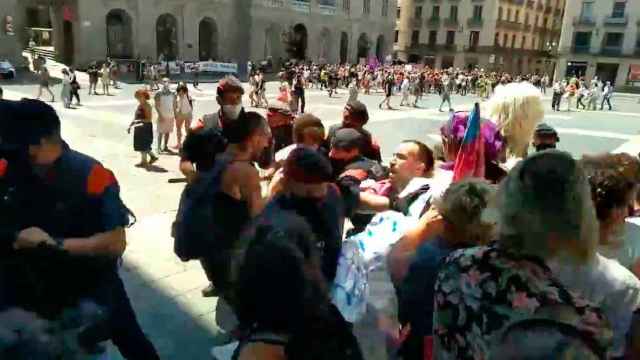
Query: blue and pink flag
[470,158]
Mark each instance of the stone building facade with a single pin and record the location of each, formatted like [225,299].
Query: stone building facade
[601,38]
[517,36]
[233,30]
[10,44]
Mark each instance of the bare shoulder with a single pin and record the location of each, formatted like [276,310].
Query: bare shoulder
[242,171]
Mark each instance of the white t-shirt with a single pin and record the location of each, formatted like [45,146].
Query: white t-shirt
[283,153]
[606,284]
[628,250]
[184,106]
[405,85]
[165,104]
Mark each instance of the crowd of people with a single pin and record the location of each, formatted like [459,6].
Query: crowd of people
[413,82]
[106,73]
[492,244]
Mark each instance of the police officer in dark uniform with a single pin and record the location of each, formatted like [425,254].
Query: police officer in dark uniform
[53,197]
[346,156]
[545,137]
[309,192]
[350,166]
[355,116]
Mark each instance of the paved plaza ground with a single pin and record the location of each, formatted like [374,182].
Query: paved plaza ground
[165,291]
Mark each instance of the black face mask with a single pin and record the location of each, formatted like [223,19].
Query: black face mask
[542,147]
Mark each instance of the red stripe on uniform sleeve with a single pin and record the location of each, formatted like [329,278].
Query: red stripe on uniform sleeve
[359,174]
[4,164]
[99,180]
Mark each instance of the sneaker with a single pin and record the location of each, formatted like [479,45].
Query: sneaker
[153,159]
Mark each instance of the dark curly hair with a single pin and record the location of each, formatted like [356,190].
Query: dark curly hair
[280,289]
[274,289]
[613,179]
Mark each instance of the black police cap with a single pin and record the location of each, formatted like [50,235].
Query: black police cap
[27,121]
[307,166]
[347,138]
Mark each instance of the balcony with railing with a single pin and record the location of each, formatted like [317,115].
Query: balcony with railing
[449,47]
[274,3]
[510,25]
[616,21]
[327,7]
[301,6]
[451,22]
[475,22]
[472,48]
[433,22]
[416,22]
[581,49]
[611,51]
[584,21]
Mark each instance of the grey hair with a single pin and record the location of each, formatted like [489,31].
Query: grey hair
[547,195]
[463,204]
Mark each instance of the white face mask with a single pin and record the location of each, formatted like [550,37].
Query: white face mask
[231,111]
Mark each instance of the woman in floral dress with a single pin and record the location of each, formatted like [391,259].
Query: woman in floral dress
[545,213]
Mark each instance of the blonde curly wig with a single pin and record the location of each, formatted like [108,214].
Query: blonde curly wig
[516,108]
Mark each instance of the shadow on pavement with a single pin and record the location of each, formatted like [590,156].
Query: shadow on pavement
[27,77]
[169,324]
[157,169]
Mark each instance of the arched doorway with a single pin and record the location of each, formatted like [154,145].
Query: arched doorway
[68,48]
[325,46]
[363,46]
[167,37]
[380,48]
[119,34]
[297,42]
[344,47]
[208,39]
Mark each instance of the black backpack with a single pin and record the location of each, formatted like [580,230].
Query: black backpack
[192,228]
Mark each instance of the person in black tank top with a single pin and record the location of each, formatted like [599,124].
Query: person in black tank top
[238,197]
